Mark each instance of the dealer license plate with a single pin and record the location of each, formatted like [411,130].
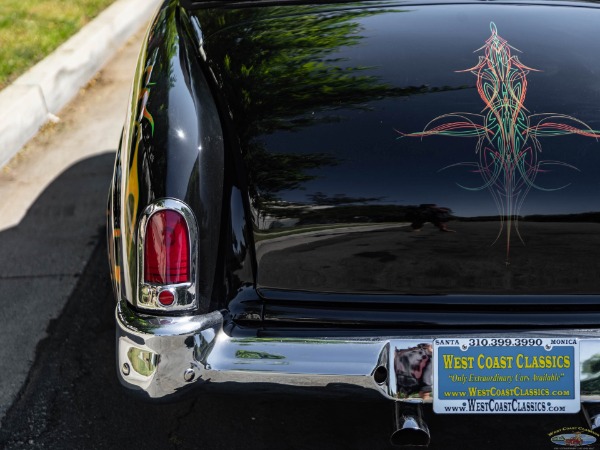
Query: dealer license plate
[506,375]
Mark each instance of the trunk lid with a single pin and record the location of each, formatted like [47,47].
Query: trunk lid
[416,149]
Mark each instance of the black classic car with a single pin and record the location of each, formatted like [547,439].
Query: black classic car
[383,196]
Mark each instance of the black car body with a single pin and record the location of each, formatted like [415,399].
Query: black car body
[377,194]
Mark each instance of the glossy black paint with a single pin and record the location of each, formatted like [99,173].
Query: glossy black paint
[338,313]
[172,147]
[304,189]
[318,96]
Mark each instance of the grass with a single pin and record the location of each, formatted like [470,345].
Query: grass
[32,29]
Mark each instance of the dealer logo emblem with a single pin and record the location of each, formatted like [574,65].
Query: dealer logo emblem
[574,437]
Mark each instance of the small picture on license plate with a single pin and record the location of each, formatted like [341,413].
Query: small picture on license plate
[506,376]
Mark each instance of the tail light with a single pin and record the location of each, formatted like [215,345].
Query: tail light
[167,256]
[167,249]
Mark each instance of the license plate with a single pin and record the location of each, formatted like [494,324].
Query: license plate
[506,375]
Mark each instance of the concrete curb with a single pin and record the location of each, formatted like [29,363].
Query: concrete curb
[38,95]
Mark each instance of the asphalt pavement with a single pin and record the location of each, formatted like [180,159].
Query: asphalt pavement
[47,230]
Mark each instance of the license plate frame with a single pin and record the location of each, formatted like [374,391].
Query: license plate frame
[506,375]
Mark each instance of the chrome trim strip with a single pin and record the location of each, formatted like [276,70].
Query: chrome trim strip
[185,293]
[163,356]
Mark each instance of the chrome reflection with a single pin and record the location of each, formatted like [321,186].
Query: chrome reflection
[405,370]
[142,362]
[590,369]
[204,342]
[249,354]
[410,428]
[591,412]
[185,297]
[138,364]
[413,369]
[169,352]
[169,355]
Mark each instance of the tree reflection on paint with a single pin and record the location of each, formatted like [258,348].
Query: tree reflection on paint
[285,70]
[508,147]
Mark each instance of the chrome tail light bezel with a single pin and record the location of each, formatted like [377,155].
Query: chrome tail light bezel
[147,296]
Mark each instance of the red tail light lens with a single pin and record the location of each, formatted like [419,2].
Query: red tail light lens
[166,249]
[166,298]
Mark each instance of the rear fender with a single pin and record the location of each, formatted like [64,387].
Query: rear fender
[172,148]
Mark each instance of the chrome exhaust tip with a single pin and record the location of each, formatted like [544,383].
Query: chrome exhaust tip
[410,428]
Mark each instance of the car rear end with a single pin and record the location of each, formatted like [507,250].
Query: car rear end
[393,198]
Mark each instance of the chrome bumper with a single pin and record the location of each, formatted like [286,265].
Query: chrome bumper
[160,357]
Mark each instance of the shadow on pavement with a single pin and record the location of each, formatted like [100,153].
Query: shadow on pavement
[41,259]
